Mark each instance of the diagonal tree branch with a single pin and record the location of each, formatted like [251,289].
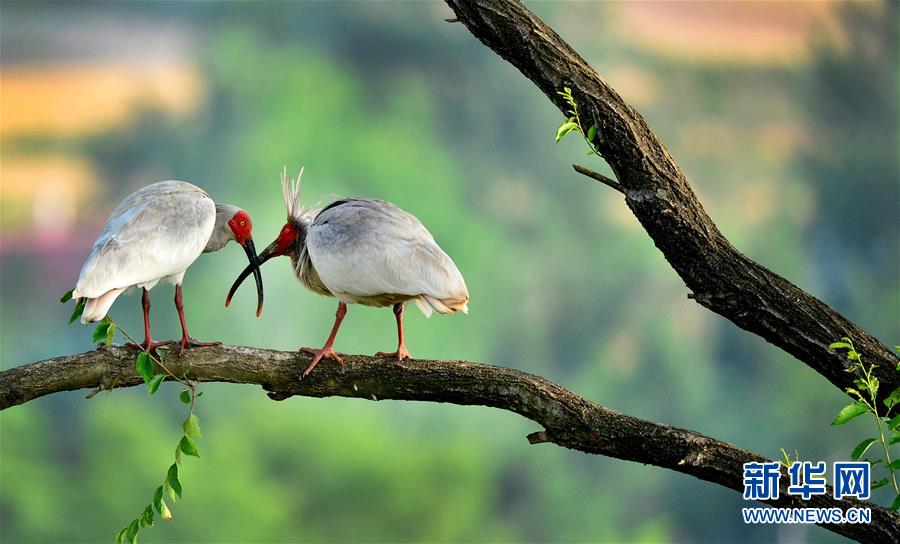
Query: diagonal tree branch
[657,192]
[568,420]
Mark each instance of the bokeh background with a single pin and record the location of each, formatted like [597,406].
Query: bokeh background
[784,116]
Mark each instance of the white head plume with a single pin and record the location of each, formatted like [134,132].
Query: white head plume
[291,191]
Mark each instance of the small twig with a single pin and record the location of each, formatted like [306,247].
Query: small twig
[598,177]
[539,437]
[453,20]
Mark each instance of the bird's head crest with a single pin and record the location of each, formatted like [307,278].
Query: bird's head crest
[291,191]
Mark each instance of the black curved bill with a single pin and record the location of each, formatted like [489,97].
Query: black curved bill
[253,267]
[256,261]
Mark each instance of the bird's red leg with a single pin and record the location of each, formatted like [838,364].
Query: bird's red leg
[402,352]
[186,340]
[327,351]
[148,344]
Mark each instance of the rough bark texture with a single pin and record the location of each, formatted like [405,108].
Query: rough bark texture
[568,420]
[720,277]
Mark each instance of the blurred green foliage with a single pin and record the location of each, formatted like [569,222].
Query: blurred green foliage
[563,282]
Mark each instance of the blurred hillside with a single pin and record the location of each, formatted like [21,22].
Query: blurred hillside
[784,117]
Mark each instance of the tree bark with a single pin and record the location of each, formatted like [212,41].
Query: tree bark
[720,277]
[568,420]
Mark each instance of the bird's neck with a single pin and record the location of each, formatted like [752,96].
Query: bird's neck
[301,226]
[220,236]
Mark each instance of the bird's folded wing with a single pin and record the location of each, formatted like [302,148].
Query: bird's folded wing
[149,236]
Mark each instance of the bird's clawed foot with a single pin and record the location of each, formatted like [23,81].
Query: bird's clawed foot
[326,352]
[149,345]
[401,353]
[188,342]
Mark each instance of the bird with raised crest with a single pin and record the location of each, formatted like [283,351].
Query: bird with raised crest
[364,251]
[154,235]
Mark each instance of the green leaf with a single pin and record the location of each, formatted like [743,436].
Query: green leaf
[144,366]
[154,382]
[895,465]
[894,439]
[120,536]
[110,332]
[188,447]
[591,133]
[158,499]
[170,492]
[896,504]
[880,483]
[161,353]
[862,448]
[178,454]
[873,386]
[147,516]
[853,355]
[185,396]
[100,331]
[191,427]
[893,398]
[165,513]
[564,129]
[132,533]
[894,423]
[79,309]
[172,479]
[839,345]
[67,297]
[849,412]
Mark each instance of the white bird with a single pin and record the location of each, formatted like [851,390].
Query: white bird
[364,251]
[154,235]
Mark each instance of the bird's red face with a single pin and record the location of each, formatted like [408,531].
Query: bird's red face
[285,240]
[241,226]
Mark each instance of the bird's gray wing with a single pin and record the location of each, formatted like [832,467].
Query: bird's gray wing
[367,247]
[155,232]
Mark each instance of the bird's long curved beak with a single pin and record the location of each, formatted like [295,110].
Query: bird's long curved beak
[256,261]
[250,250]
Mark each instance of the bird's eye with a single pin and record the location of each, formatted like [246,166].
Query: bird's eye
[243,223]
[285,230]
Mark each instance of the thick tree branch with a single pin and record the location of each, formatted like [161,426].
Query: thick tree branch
[721,278]
[568,420]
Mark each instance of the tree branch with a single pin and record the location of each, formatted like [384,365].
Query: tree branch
[584,171]
[721,278]
[568,420]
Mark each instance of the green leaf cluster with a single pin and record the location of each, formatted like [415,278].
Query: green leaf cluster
[79,305]
[887,429]
[171,487]
[573,123]
[144,367]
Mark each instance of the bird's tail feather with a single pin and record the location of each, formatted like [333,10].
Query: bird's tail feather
[428,303]
[95,309]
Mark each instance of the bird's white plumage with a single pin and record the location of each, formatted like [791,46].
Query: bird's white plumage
[366,251]
[154,234]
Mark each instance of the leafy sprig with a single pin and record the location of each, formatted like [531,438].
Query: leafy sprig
[866,393]
[573,123]
[145,364]
[786,460]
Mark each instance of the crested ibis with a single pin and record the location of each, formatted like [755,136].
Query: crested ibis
[154,235]
[364,251]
